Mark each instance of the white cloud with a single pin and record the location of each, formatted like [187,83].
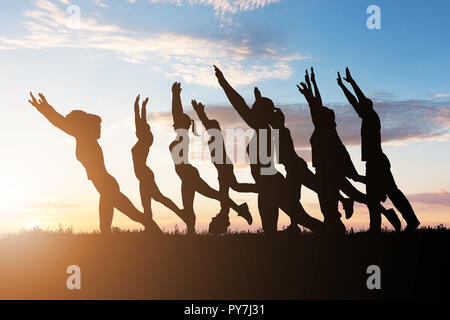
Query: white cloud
[101,3]
[183,56]
[222,8]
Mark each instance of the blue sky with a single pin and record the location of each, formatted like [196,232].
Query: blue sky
[124,48]
[331,34]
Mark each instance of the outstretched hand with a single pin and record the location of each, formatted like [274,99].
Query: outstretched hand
[318,98]
[339,80]
[305,88]
[348,76]
[137,116]
[42,102]
[257,93]
[198,107]
[307,80]
[176,88]
[140,118]
[313,75]
[219,74]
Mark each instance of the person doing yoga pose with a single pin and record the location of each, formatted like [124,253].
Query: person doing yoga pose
[147,185]
[272,187]
[191,182]
[298,173]
[86,129]
[380,181]
[224,165]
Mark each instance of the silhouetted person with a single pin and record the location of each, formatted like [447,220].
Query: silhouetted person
[191,181]
[227,178]
[380,181]
[147,185]
[298,173]
[327,156]
[273,190]
[86,130]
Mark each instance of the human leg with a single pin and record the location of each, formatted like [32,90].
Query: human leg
[106,211]
[187,195]
[203,188]
[124,205]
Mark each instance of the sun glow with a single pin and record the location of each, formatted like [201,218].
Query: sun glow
[10,194]
[34,224]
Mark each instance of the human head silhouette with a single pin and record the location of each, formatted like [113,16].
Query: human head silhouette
[85,125]
[185,122]
[367,103]
[328,117]
[263,107]
[277,119]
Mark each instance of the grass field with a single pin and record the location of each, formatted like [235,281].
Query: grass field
[134,265]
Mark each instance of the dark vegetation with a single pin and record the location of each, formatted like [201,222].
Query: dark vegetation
[135,265]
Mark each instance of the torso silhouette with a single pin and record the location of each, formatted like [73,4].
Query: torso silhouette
[288,156]
[140,153]
[90,154]
[329,154]
[88,150]
[182,168]
[223,165]
[325,153]
[257,139]
[370,134]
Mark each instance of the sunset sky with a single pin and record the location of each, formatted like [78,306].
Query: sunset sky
[122,48]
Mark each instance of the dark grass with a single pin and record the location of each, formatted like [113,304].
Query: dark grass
[135,265]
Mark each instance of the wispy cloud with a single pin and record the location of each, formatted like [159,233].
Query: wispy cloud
[182,56]
[441,199]
[101,3]
[222,8]
[402,121]
[440,95]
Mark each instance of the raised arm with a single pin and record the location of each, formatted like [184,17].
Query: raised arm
[263,121]
[235,99]
[349,79]
[200,110]
[137,116]
[315,103]
[51,114]
[177,107]
[350,97]
[143,132]
[316,88]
